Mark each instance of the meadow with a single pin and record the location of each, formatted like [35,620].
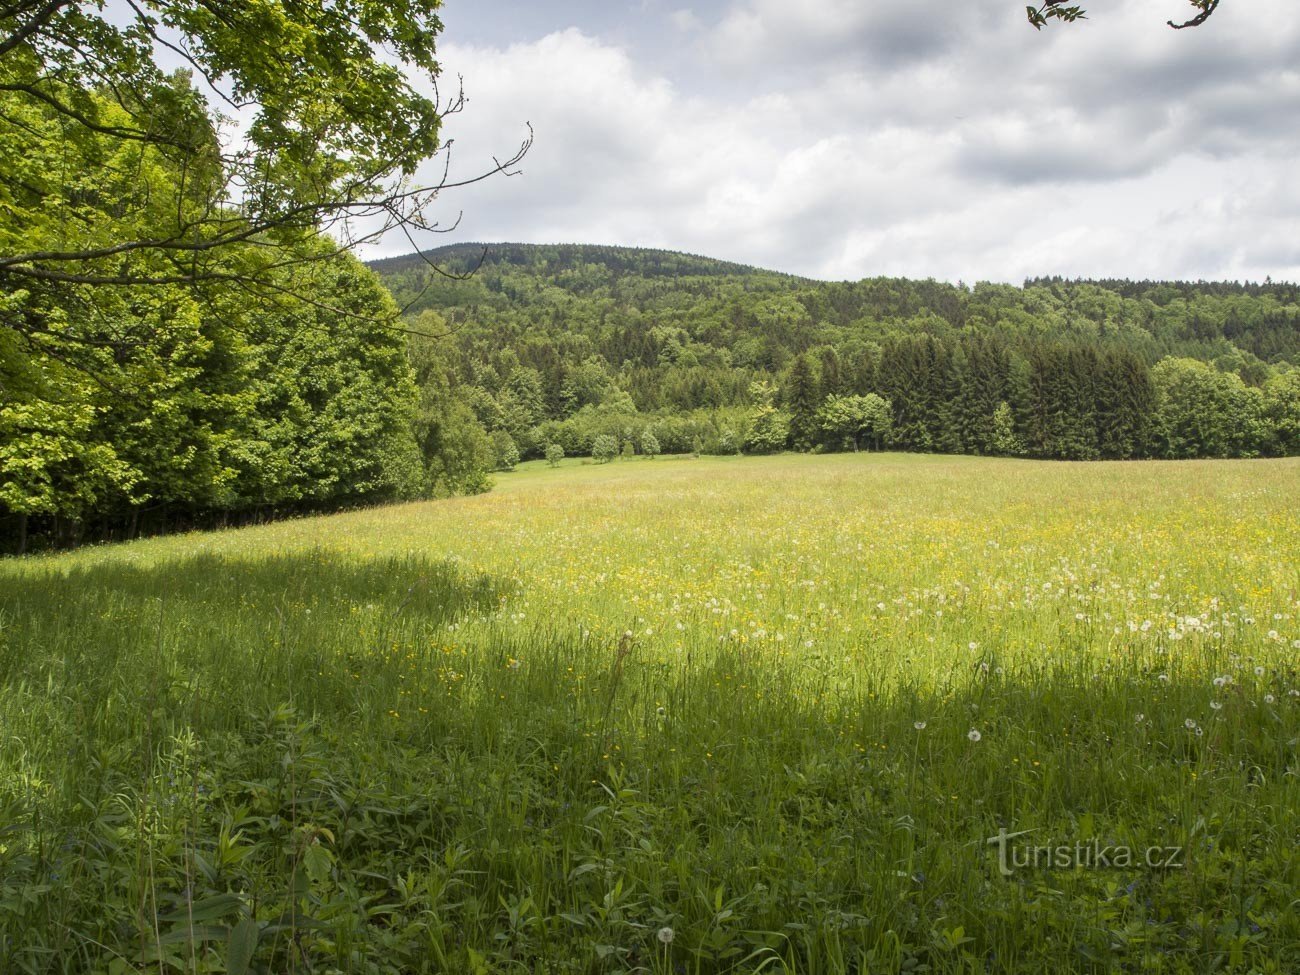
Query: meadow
[672,716]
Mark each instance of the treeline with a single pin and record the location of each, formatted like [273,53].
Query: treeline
[566,344]
[141,409]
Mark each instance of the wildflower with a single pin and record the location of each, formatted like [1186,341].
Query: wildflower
[1220,681]
[919,725]
[666,936]
[973,645]
[514,664]
[1215,705]
[1189,724]
[1259,671]
[974,735]
[1163,678]
[661,711]
[1139,718]
[1269,698]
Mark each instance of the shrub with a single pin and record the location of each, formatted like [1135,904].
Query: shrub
[604,449]
[505,451]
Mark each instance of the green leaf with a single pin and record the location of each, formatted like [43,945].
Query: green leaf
[241,947]
[208,909]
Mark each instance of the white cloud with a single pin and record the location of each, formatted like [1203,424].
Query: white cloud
[840,139]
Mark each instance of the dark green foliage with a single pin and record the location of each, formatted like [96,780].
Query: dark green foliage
[650,443]
[803,396]
[505,455]
[562,344]
[169,408]
[604,449]
[274,381]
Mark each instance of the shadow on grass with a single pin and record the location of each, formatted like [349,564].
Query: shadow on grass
[303,746]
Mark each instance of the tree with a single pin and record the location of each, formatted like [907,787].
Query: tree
[335,130]
[649,444]
[1202,412]
[802,395]
[1068,13]
[849,418]
[171,409]
[769,429]
[1282,410]
[554,454]
[507,454]
[604,449]
[455,447]
[1003,438]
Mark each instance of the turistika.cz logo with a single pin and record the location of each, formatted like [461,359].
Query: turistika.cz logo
[1081,855]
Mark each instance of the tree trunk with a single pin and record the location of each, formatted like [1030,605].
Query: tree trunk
[22,533]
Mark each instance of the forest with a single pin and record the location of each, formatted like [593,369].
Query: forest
[190,408]
[666,352]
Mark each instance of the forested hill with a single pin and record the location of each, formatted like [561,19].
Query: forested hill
[516,283]
[551,260]
[559,344]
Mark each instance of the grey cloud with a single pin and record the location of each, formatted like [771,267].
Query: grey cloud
[985,152]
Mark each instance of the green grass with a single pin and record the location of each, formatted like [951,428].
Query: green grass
[529,731]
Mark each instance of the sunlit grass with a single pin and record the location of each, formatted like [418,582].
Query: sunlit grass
[533,730]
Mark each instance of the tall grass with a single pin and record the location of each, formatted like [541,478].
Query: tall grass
[716,716]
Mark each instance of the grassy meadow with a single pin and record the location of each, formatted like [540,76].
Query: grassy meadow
[672,716]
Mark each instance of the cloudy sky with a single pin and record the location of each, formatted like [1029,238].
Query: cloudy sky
[848,138]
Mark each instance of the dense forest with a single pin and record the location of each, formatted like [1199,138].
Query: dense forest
[128,412]
[146,407]
[577,346]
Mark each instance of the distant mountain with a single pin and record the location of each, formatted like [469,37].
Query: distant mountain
[551,259]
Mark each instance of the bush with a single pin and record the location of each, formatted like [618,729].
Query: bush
[505,451]
[604,449]
[554,454]
[649,444]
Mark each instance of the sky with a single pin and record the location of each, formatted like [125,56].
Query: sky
[842,139]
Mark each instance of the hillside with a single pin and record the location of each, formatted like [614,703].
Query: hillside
[563,343]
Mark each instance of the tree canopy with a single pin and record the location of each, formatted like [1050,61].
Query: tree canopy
[565,344]
[289,120]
